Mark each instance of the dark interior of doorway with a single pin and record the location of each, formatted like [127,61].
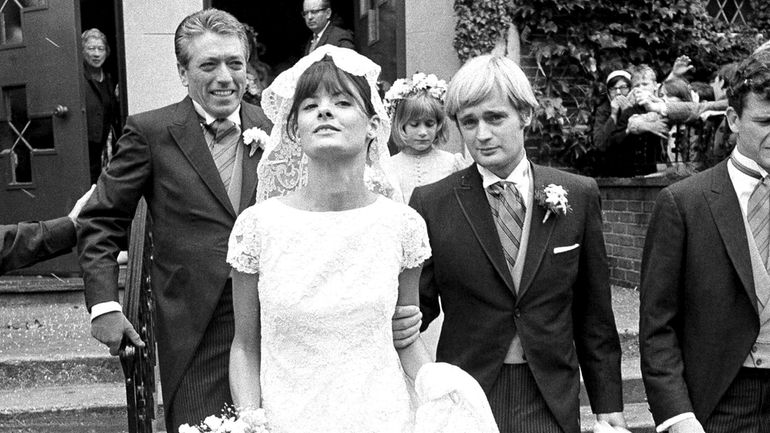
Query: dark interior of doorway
[280,26]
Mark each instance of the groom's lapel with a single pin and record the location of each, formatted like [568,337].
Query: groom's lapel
[475,207]
[539,232]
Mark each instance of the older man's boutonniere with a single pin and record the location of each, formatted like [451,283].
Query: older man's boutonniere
[257,136]
[554,199]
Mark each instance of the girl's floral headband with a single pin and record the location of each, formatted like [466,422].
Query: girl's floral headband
[404,88]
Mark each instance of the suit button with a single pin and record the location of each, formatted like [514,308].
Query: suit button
[754,349]
[759,362]
[517,313]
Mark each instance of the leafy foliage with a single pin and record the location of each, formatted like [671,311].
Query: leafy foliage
[576,43]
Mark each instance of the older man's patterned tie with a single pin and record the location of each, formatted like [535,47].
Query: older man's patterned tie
[223,139]
[758,210]
[509,210]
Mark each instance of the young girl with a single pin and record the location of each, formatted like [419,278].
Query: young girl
[419,125]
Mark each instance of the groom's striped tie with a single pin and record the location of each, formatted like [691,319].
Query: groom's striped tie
[509,210]
[758,210]
[222,140]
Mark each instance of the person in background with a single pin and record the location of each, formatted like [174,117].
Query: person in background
[102,109]
[606,116]
[318,18]
[635,145]
[27,243]
[416,107]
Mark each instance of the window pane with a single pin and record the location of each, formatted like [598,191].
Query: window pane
[10,24]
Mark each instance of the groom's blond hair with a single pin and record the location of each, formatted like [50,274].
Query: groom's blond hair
[481,76]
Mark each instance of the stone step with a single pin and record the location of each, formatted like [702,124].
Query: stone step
[71,408]
[101,408]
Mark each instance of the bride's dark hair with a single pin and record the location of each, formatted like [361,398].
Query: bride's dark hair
[324,74]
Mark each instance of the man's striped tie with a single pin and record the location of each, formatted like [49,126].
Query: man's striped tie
[223,139]
[509,210]
[758,210]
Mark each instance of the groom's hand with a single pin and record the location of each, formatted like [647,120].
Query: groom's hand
[615,419]
[109,329]
[687,425]
[406,325]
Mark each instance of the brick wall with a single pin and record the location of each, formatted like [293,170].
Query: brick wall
[626,207]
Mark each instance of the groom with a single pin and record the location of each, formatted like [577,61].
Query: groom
[189,162]
[524,287]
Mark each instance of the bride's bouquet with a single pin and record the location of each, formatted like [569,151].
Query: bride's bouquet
[231,421]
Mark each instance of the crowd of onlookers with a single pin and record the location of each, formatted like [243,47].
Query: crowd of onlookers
[650,128]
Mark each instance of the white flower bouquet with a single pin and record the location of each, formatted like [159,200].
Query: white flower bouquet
[231,421]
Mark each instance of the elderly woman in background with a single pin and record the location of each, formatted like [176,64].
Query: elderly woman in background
[606,116]
[102,110]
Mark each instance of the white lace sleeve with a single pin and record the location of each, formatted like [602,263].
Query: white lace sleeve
[245,244]
[414,240]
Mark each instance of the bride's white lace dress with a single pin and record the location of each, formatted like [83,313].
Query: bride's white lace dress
[328,285]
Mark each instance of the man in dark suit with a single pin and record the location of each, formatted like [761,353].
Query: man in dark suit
[189,162]
[318,14]
[705,321]
[27,243]
[524,286]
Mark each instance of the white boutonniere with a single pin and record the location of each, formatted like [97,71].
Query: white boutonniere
[257,136]
[554,199]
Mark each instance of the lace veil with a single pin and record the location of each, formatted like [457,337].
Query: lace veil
[283,167]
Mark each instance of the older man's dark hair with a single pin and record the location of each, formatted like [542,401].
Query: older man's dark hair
[207,20]
[752,76]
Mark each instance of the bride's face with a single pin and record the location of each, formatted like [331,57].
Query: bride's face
[334,125]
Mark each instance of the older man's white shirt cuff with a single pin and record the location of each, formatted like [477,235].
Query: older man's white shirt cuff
[673,420]
[104,308]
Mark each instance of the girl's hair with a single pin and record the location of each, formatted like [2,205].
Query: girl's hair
[324,74]
[677,88]
[418,107]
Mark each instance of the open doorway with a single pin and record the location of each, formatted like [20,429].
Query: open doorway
[280,27]
[104,111]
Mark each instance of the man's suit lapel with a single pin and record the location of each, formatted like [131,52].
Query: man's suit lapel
[539,232]
[188,135]
[728,218]
[249,173]
[475,207]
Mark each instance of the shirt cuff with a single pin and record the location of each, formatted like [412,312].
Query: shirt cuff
[673,420]
[104,308]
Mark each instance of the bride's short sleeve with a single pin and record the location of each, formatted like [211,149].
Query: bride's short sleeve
[245,243]
[414,240]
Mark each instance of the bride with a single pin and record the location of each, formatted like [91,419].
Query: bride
[320,268]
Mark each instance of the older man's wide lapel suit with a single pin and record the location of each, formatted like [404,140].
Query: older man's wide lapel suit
[561,309]
[699,316]
[163,156]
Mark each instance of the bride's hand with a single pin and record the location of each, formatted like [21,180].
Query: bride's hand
[406,325]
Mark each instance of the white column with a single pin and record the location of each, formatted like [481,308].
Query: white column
[152,79]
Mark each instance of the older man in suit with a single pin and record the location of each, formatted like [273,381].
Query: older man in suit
[318,14]
[705,320]
[518,265]
[189,161]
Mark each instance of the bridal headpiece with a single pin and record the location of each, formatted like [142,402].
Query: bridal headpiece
[283,167]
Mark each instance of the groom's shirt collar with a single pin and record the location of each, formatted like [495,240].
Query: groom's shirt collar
[521,176]
[234,117]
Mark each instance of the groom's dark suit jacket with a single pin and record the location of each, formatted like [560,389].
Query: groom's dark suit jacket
[562,312]
[163,156]
[698,318]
